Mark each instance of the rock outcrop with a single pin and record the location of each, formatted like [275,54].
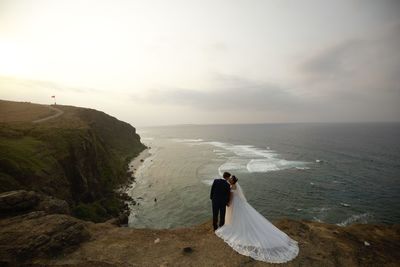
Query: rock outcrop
[21,201]
[18,201]
[34,235]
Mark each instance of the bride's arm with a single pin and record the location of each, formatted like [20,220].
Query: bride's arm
[230,198]
[233,187]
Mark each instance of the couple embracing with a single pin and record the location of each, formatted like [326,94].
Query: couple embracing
[243,228]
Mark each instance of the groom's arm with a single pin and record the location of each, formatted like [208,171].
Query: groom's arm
[212,190]
[228,195]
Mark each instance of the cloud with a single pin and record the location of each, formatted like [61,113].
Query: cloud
[332,62]
[230,93]
[366,66]
[356,79]
[14,82]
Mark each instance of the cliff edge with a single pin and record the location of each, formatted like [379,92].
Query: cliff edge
[79,156]
[44,236]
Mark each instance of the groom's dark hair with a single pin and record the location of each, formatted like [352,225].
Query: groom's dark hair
[226,175]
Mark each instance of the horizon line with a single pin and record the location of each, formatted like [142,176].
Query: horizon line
[264,123]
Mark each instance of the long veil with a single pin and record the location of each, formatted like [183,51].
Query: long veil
[240,192]
[251,234]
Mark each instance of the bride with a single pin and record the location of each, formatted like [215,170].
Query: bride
[250,234]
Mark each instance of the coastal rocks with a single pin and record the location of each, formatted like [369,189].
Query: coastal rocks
[53,205]
[17,201]
[39,235]
[121,220]
[34,225]
[20,201]
[125,197]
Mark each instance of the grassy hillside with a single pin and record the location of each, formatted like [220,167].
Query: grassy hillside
[80,156]
[22,111]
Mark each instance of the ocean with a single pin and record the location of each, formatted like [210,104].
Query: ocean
[334,173]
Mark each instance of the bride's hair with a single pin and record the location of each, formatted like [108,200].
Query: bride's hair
[234,179]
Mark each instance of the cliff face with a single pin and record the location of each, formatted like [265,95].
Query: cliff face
[80,156]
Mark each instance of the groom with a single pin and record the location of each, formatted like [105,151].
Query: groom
[220,191]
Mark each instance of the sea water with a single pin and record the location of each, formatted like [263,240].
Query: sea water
[334,173]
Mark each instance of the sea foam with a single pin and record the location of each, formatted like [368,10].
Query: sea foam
[272,164]
[252,159]
[247,157]
[187,140]
[356,218]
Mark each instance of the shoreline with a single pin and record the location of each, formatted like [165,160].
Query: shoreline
[136,163]
[134,166]
[123,190]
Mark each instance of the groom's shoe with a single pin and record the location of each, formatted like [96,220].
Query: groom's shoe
[215,225]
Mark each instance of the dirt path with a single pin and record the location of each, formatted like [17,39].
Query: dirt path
[59,112]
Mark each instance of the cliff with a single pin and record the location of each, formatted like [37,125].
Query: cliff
[41,236]
[79,156]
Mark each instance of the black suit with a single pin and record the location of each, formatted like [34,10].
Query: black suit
[220,193]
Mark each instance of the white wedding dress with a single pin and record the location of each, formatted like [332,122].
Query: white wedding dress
[250,234]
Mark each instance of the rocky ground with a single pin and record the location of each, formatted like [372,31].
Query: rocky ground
[41,233]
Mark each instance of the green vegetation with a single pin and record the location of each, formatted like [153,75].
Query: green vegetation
[90,211]
[99,210]
[80,156]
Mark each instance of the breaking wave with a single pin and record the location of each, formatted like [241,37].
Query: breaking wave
[247,158]
[356,218]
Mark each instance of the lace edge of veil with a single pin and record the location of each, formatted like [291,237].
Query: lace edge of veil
[275,255]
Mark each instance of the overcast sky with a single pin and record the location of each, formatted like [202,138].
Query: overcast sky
[172,62]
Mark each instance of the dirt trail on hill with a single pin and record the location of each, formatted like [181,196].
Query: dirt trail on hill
[59,112]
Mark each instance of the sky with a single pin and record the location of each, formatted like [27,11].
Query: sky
[206,62]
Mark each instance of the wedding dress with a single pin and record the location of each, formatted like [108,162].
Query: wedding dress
[250,234]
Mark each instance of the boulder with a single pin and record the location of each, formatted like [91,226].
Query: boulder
[39,235]
[17,201]
[53,205]
[21,201]
[121,220]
